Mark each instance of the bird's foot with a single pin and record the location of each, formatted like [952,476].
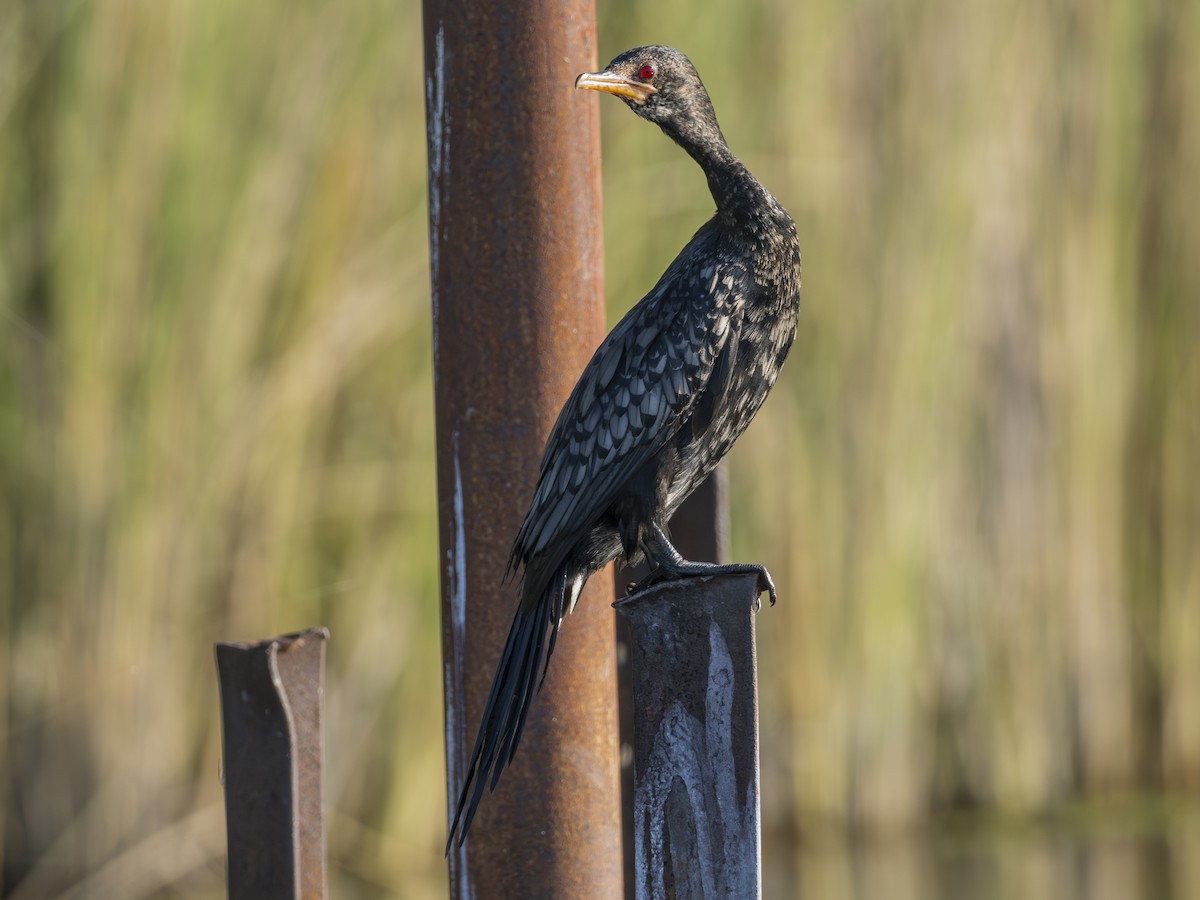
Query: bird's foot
[655,576]
[687,569]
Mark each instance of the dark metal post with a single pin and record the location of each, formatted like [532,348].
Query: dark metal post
[699,530]
[700,527]
[272,764]
[516,268]
[695,739]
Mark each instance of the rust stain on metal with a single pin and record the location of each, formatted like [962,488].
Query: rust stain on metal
[516,270]
[695,738]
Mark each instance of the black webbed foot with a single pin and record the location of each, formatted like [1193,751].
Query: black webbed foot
[653,577]
[693,569]
[668,565]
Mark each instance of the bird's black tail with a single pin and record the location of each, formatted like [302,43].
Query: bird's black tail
[532,635]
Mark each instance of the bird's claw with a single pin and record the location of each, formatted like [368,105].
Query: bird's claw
[766,584]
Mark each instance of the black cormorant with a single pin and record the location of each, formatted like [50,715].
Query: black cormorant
[661,401]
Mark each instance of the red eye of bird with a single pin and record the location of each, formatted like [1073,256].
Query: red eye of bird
[647,72]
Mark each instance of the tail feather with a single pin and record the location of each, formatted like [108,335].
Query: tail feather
[533,633]
[529,677]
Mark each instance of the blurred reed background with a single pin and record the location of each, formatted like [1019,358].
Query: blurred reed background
[976,484]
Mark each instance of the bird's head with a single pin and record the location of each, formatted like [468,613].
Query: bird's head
[659,84]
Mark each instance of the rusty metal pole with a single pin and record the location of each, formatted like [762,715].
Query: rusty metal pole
[516,268]
[272,763]
[695,739]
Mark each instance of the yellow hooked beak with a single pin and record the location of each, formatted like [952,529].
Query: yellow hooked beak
[610,83]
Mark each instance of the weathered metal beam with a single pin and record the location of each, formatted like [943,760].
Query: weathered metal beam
[695,739]
[272,744]
[700,527]
[700,531]
[516,269]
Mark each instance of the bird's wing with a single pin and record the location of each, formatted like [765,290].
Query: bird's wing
[631,399]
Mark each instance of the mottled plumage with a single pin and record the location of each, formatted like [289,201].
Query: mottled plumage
[661,401]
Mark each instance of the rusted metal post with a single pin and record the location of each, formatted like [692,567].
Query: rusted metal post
[272,764]
[516,268]
[695,739]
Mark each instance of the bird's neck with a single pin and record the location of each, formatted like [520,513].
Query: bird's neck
[738,194]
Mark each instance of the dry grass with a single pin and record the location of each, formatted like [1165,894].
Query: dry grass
[216,408]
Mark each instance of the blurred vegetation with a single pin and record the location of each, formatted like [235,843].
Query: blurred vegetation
[976,484]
